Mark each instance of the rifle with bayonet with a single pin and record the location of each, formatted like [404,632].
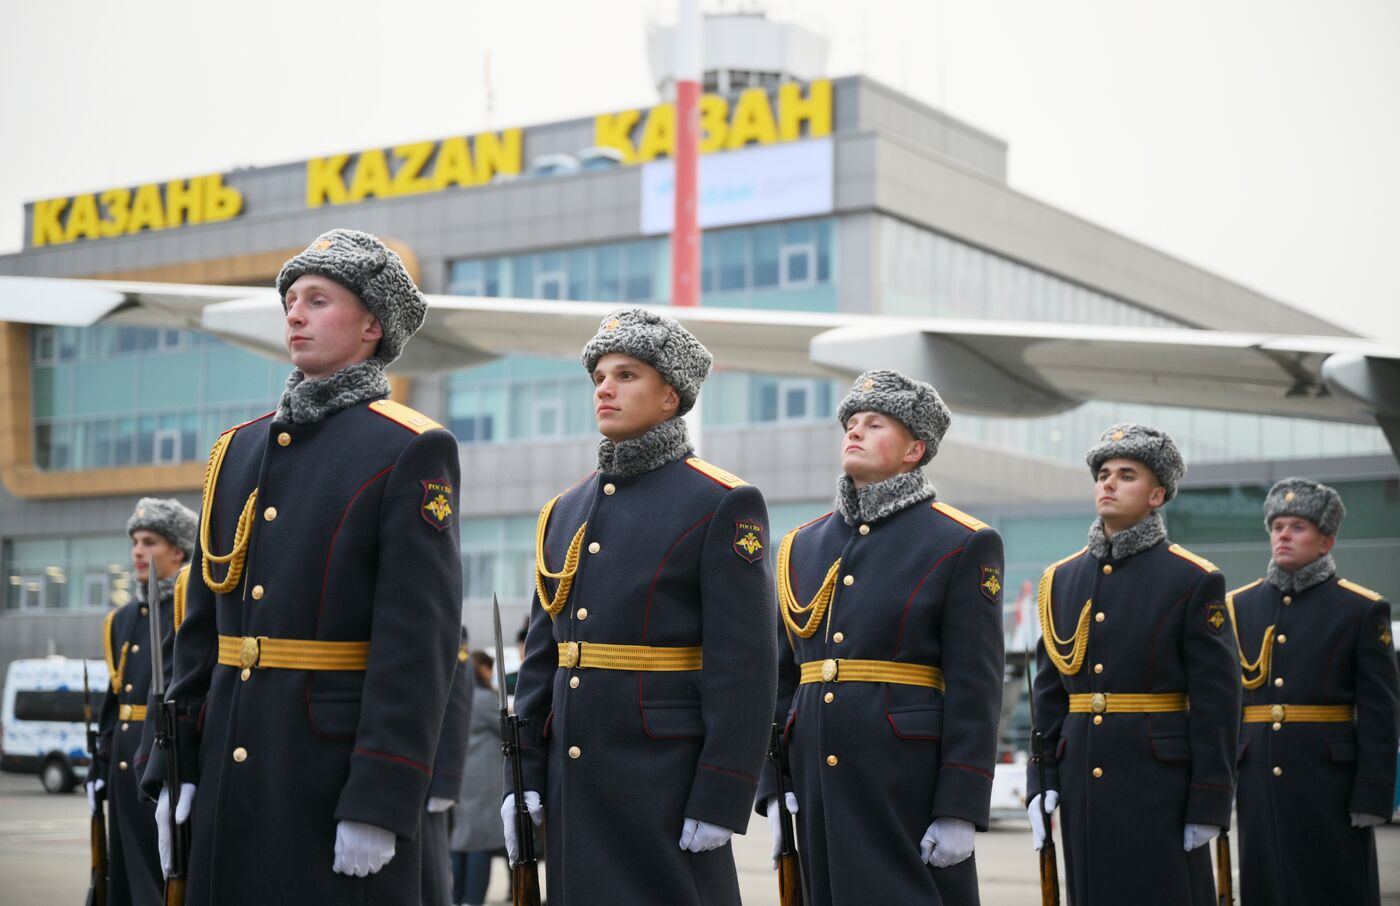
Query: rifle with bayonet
[167,740]
[524,873]
[790,892]
[97,883]
[1049,862]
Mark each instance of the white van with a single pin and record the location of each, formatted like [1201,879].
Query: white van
[41,721]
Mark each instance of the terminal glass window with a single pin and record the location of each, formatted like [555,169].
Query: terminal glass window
[67,573]
[107,396]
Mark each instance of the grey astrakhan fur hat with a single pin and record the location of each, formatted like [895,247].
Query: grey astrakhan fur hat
[1150,446]
[371,270]
[915,404]
[661,342]
[168,518]
[1318,503]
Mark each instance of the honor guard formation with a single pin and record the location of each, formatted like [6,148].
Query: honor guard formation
[294,713]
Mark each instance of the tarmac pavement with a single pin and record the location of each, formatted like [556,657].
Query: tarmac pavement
[44,854]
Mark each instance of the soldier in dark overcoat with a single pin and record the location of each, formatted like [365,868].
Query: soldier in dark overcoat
[313,665]
[649,665]
[890,688]
[162,538]
[1133,628]
[1317,748]
[446,785]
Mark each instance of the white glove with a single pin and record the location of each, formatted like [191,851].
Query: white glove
[1052,799]
[1358,819]
[182,814]
[775,825]
[536,810]
[95,786]
[361,849]
[1199,835]
[702,836]
[436,804]
[947,842]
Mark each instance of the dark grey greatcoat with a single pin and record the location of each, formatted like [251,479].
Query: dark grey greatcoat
[623,757]
[353,552]
[1332,646]
[133,859]
[1165,630]
[447,782]
[926,590]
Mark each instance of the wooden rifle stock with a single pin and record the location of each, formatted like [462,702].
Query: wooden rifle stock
[789,863]
[174,892]
[789,880]
[1049,874]
[1224,875]
[524,884]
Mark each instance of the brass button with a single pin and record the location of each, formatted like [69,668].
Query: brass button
[1098,719]
[122,765]
[865,529]
[573,682]
[610,489]
[829,697]
[135,648]
[1288,599]
[1278,726]
[1098,772]
[240,754]
[1281,638]
[257,592]
[838,637]
[575,751]
[244,674]
[128,687]
[849,580]
[1278,771]
[284,438]
[1279,681]
[1098,617]
[144,611]
[582,613]
[125,727]
[594,547]
[1107,570]
[1098,668]
[832,760]
[270,513]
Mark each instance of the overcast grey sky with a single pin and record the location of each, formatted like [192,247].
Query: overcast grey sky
[1260,140]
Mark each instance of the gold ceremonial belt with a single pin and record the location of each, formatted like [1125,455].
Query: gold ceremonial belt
[843,670]
[1311,714]
[1127,702]
[131,712]
[598,656]
[292,654]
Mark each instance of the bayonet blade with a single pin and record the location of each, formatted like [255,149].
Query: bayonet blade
[157,650]
[500,655]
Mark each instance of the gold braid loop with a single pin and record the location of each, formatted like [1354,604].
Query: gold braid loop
[555,605]
[182,582]
[243,534]
[121,669]
[1260,665]
[1067,665]
[787,602]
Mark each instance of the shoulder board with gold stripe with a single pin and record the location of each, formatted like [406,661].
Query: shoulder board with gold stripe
[715,473]
[462,654]
[411,419]
[1243,588]
[1202,562]
[1361,590]
[1058,563]
[959,516]
[247,423]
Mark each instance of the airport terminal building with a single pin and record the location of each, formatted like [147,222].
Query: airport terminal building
[827,195]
